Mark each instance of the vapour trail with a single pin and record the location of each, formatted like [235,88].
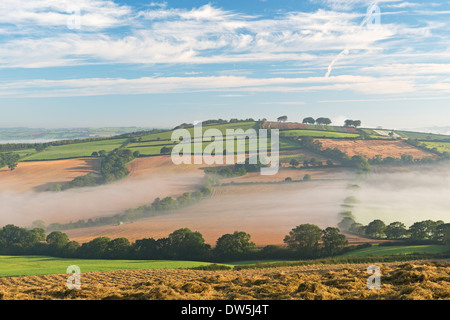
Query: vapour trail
[369,16]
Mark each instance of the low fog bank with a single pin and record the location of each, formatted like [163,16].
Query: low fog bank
[266,211]
[84,203]
[421,193]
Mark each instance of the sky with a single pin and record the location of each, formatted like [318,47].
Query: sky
[66,63]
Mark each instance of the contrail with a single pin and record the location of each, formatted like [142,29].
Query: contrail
[369,16]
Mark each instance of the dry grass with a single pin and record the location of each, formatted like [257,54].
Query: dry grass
[411,281]
[372,148]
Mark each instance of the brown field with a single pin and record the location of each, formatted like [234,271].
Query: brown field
[372,148]
[400,281]
[39,175]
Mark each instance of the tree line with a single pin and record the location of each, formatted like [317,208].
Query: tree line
[303,242]
[323,121]
[427,230]
[112,168]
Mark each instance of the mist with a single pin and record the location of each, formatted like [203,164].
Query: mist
[411,195]
[91,202]
[266,211]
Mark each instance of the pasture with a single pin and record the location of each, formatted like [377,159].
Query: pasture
[76,150]
[14,266]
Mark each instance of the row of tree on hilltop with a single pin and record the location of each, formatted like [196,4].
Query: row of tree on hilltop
[323,121]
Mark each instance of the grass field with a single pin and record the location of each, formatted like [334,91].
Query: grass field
[440,146]
[394,250]
[317,134]
[166,135]
[41,265]
[76,150]
[422,135]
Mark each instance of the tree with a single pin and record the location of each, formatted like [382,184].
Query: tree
[333,241]
[145,249]
[360,163]
[165,150]
[282,119]
[9,159]
[307,177]
[294,162]
[376,228]
[305,238]
[309,120]
[352,123]
[57,239]
[38,224]
[118,248]
[323,121]
[346,223]
[395,230]
[424,230]
[235,245]
[442,233]
[183,244]
[102,153]
[70,249]
[95,249]
[357,228]
[136,154]
[94,154]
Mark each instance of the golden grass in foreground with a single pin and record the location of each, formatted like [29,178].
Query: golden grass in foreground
[415,280]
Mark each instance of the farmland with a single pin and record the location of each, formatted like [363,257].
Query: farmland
[372,148]
[39,175]
[316,133]
[402,281]
[13,266]
[439,146]
[76,150]
[378,250]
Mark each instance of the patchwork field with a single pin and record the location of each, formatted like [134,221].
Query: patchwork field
[39,175]
[372,148]
[400,281]
[76,150]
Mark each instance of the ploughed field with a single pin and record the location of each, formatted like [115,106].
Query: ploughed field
[405,281]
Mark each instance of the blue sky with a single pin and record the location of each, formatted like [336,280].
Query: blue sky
[160,63]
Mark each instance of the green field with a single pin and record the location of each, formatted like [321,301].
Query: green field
[76,150]
[394,250]
[423,136]
[440,146]
[40,265]
[222,127]
[317,134]
[22,153]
